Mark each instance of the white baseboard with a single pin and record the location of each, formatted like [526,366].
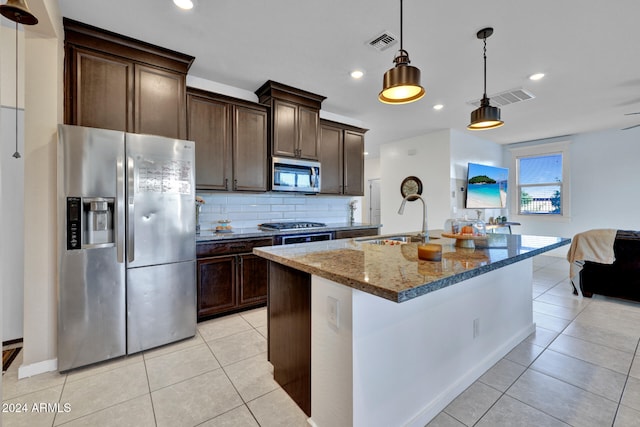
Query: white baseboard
[25,371]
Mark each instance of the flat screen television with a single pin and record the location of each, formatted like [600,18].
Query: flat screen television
[486,187]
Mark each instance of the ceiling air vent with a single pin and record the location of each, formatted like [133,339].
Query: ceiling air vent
[505,98]
[383,41]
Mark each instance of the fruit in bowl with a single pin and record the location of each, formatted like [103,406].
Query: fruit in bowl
[467,230]
[223,224]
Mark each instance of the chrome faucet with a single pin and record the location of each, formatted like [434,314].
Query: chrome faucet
[425,233]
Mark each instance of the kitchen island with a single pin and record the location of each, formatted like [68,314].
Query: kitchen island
[363,333]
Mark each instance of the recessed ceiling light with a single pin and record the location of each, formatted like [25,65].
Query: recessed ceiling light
[438,107]
[536,76]
[357,74]
[184,4]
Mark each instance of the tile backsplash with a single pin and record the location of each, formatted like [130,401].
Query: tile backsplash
[249,210]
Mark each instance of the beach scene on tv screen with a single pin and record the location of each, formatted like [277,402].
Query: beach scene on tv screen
[486,186]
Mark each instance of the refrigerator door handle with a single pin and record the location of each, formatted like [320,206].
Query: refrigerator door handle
[119,214]
[130,210]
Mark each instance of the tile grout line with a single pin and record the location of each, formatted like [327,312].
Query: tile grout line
[153,406]
[244,402]
[625,383]
[66,376]
[528,367]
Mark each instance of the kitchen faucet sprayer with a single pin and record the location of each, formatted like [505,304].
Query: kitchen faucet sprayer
[425,233]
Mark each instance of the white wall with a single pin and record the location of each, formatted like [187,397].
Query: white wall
[424,156]
[43,111]
[12,182]
[440,160]
[467,148]
[605,172]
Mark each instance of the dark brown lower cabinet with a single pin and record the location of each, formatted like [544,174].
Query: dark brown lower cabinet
[363,232]
[216,280]
[230,277]
[253,279]
[289,332]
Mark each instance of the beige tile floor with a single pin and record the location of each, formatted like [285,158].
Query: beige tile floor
[580,368]
[220,377]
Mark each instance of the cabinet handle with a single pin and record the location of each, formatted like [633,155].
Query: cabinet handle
[237,246]
[226,183]
[235,184]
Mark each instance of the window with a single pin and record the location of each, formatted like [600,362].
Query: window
[542,184]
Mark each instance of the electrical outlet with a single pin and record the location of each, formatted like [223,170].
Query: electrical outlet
[333,307]
[476,328]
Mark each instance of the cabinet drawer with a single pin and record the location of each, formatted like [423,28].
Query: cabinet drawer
[230,247]
[346,234]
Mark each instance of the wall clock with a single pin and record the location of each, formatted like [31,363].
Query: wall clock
[411,185]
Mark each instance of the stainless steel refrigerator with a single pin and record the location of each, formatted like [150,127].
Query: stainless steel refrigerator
[126,233]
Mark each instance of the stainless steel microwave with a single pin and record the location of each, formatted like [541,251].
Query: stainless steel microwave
[302,176]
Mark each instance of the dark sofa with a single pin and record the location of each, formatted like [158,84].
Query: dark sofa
[620,279]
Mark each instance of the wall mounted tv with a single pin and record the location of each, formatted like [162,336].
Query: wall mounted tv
[486,187]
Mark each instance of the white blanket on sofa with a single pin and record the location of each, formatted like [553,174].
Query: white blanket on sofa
[592,245]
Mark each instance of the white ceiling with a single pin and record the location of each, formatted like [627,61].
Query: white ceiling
[587,48]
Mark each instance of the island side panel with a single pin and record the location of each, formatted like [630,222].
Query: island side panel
[289,335]
[331,346]
[408,361]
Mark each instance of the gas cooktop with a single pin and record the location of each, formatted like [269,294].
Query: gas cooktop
[291,225]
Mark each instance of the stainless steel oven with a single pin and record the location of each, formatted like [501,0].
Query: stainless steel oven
[294,175]
[300,236]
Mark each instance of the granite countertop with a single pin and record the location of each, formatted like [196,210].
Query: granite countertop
[395,272]
[252,232]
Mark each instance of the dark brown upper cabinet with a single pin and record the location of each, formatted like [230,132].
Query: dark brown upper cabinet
[116,82]
[342,158]
[294,123]
[231,142]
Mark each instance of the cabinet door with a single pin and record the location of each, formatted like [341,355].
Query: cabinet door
[308,127]
[253,280]
[249,149]
[160,102]
[285,128]
[103,87]
[331,159]
[209,128]
[353,163]
[216,285]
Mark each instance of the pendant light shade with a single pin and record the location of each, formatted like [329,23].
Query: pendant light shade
[18,11]
[401,84]
[485,116]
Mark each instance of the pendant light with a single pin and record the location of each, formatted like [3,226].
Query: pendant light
[401,84]
[17,11]
[486,116]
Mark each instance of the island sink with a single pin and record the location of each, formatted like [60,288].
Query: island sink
[400,238]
